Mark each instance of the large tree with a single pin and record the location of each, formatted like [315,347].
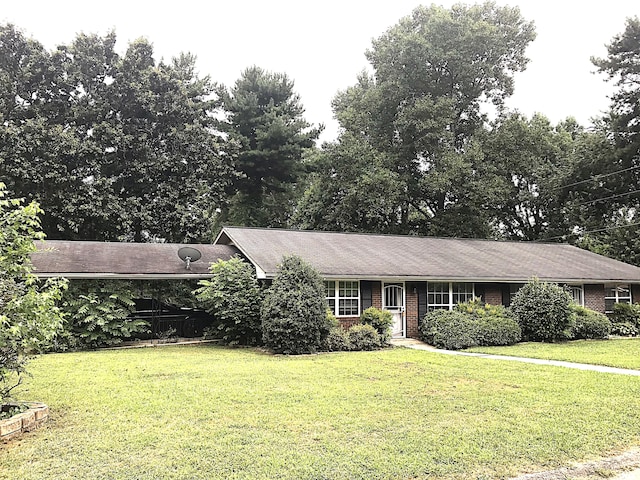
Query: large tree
[264,118]
[422,106]
[112,147]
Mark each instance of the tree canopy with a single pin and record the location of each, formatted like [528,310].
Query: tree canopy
[112,147]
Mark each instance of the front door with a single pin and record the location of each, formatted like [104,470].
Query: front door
[393,301]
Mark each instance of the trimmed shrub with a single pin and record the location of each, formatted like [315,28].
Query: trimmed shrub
[497,330]
[494,323]
[294,311]
[233,297]
[337,340]
[451,330]
[624,329]
[381,320]
[363,337]
[589,324]
[626,313]
[542,311]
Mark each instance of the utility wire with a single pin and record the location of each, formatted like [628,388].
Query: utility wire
[596,177]
[588,231]
[589,202]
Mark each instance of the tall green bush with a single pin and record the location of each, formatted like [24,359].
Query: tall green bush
[29,315]
[233,296]
[542,310]
[294,311]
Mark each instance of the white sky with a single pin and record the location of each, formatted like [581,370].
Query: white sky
[321,45]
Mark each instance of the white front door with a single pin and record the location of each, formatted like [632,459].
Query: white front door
[393,301]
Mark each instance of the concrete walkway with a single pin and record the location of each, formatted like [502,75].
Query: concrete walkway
[418,345]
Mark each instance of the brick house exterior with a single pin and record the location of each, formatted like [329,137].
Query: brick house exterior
[411,275]
[406,275]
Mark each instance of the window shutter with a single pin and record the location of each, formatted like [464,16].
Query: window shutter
[366,299]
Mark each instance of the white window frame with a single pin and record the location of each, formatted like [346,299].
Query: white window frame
[573,289]
[617,297]
[450,303]
[337,298]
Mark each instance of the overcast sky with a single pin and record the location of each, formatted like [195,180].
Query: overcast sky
[321,45]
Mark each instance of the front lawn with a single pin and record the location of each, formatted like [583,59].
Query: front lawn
[622,352]
[208,412]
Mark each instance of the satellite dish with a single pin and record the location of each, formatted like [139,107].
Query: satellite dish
[188,255]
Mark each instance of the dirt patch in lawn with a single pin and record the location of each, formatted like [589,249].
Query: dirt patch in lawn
[625,466]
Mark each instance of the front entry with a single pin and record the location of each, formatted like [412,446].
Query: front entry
[393,301]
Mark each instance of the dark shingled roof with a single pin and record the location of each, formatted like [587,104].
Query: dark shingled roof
[351,255]
[122,260]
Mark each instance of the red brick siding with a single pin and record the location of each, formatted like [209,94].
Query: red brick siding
[594,297]
[376,295]
[411,312]
[493,293]
[348,322]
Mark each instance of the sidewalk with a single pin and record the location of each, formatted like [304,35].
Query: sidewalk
[418,345]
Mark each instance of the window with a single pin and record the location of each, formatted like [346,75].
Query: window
[577,294]
[444,295]
[513,289]
[616,294]
[343,297]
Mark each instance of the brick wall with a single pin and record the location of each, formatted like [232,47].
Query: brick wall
[411,312]
[493,293]
[348,322]
[376,295]
[594,297]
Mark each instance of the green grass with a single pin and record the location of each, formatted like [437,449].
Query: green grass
[622,353]
[209,412]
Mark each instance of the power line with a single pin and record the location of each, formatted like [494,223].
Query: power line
[596,177]
[588,231]
[611,197]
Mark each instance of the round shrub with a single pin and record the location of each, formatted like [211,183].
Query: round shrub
[451,330]
[294,311]
[381,320]
[497,330]
[337,340]
[589,324]
[363,337]
[542,311]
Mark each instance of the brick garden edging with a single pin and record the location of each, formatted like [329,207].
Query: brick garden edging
[37,414]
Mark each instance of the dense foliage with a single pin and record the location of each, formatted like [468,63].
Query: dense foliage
[112,147]
[543,311]
[29,315]
[470,324]
[588,324]
[98,314]
[363,337]
[264,120]
[233,296]
[294,311]
[625,319]
[380,320]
